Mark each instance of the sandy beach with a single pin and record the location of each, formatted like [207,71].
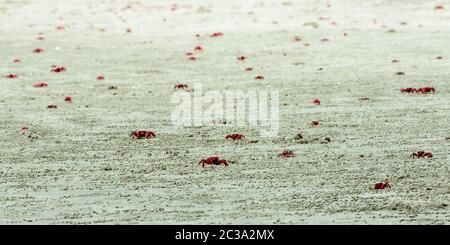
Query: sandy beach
[77,164]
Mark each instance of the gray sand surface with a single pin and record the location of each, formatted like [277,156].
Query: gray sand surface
[77,164]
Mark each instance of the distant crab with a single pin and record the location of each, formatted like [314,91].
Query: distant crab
[286,153]
[40,85]
[381,185]
[58,69]
[11,76]
[213,161]
[38,50]
[216,34]
[142,134]
[421,154]
[424,90]
[180,86]
[316,101]
[315,123]
[235,136]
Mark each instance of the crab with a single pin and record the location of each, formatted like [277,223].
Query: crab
[259,77]
[286,153]
[235,136]
[426,90]
[315,123]
[217,34]
[381,185]
[58,69]
[38,50]
[421,154]
[52,106]
[213,161]
[100,77]
[11,76]
[198,48]
[40,85]
[408,90]
[241,58]
[180,86]
[316,101]
[142,134]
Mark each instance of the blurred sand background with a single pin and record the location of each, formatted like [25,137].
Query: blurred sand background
[77,164]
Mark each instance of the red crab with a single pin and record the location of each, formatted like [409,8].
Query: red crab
[426,90]
[23,129]
[40,85]
[316,101]
[52,106]
[16,60]
[38,50]
[198,48]
[142,134]
[11,76]
[180,86]
[213,161]
[40,38]
[381,185]
[400,73]
[408,90]
[241,58]
[438,7]
[297,38]
[58,69]
[192,58]
[286,153]
[189,54]
[324,40]
[235,136]
[59,28]
[68,99]
[216,34]
[248,69]
[259,77]
[100,77]
[421,154]
[315,123]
